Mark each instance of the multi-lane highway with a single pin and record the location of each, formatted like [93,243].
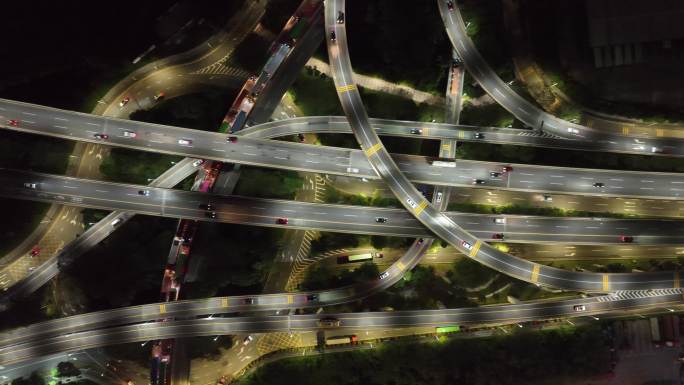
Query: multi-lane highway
[58,336]
[326,217]
[331,160]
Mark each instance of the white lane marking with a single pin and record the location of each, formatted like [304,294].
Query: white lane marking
[557,176]
[349,215]
[258,208]
[93,124]
[280,157]
[62,127]
[62,119]
[102,191]
[289,211]
[218,149]
[69,186]
[29,113]
[247,153]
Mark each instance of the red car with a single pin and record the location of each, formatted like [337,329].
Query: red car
[101,136]
[450,5]
[35,251]
[232,139]
[626,239]
[124,101]
[281,221]
[12,122]
[507,169]
[498,236]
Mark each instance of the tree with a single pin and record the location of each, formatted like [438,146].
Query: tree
[34,379]
[378,241]
[67,369]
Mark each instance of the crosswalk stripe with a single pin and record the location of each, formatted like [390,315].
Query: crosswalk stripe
[535,273]
[376,147]
[476,248]
[346,88]
[423,204]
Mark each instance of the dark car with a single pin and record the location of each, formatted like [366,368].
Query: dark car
[340,17]
[281,221]
[301,138]
[420,240]
[495,174]
[478,181]
[479,135]
[599,185]
[507,169]
[498,236]
[332,36]
[416,131]
[248,301]
[206,206]
[450,5]
[380,220]
[210,214]
[328,322]
[626,239]
[101,136]
[312,297]
[232,139]
[144,192]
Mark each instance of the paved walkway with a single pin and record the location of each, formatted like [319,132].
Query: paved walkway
[377,84]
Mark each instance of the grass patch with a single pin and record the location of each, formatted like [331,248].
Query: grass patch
[137,167]
[24,217]
[267,183]
[333,195]
[314,93]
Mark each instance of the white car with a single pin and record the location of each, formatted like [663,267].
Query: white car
[573,130]
[384,275]
[197,162]
[411,203]
[116,221]
[130,134]
[184,142]
[353,170]
[247,340]
[467,245]
[30,185]
[500,221]
[548,198]
[438,198]
[579,308]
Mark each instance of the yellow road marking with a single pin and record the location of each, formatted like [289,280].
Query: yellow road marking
[426,131]
[660,132]
[625,130]
[535,273]
[461,134]
[590,123]
[376,147]
[162,308]
[224,302]
[346,88]
[423,204]
[677,283]
[446,146]
[606,282]
[401,266]
[476,248]
[290,299]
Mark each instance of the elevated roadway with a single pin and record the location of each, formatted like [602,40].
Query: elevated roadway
[441,225]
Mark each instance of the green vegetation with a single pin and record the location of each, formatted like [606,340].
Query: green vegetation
[200,111]
[314,93]
[333,195]
[230,259]
[250,54]
[267,183]
[529,210]
[34,379]
[387,106]
[332,241]
[323,277]
[34,152]
[138,167]
[92,216]
[492,115]
[208,348]
[567,158]
[25,217]
[519,358]
[67,369]
[470,274]
[403,44]
[277,13]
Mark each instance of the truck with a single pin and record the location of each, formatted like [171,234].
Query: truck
[443,163]
[447,329]
[355,258]
[341,340]
[455,80]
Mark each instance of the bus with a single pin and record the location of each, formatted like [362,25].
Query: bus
[355,258]
[442,163]
[340,340]
[447,329]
